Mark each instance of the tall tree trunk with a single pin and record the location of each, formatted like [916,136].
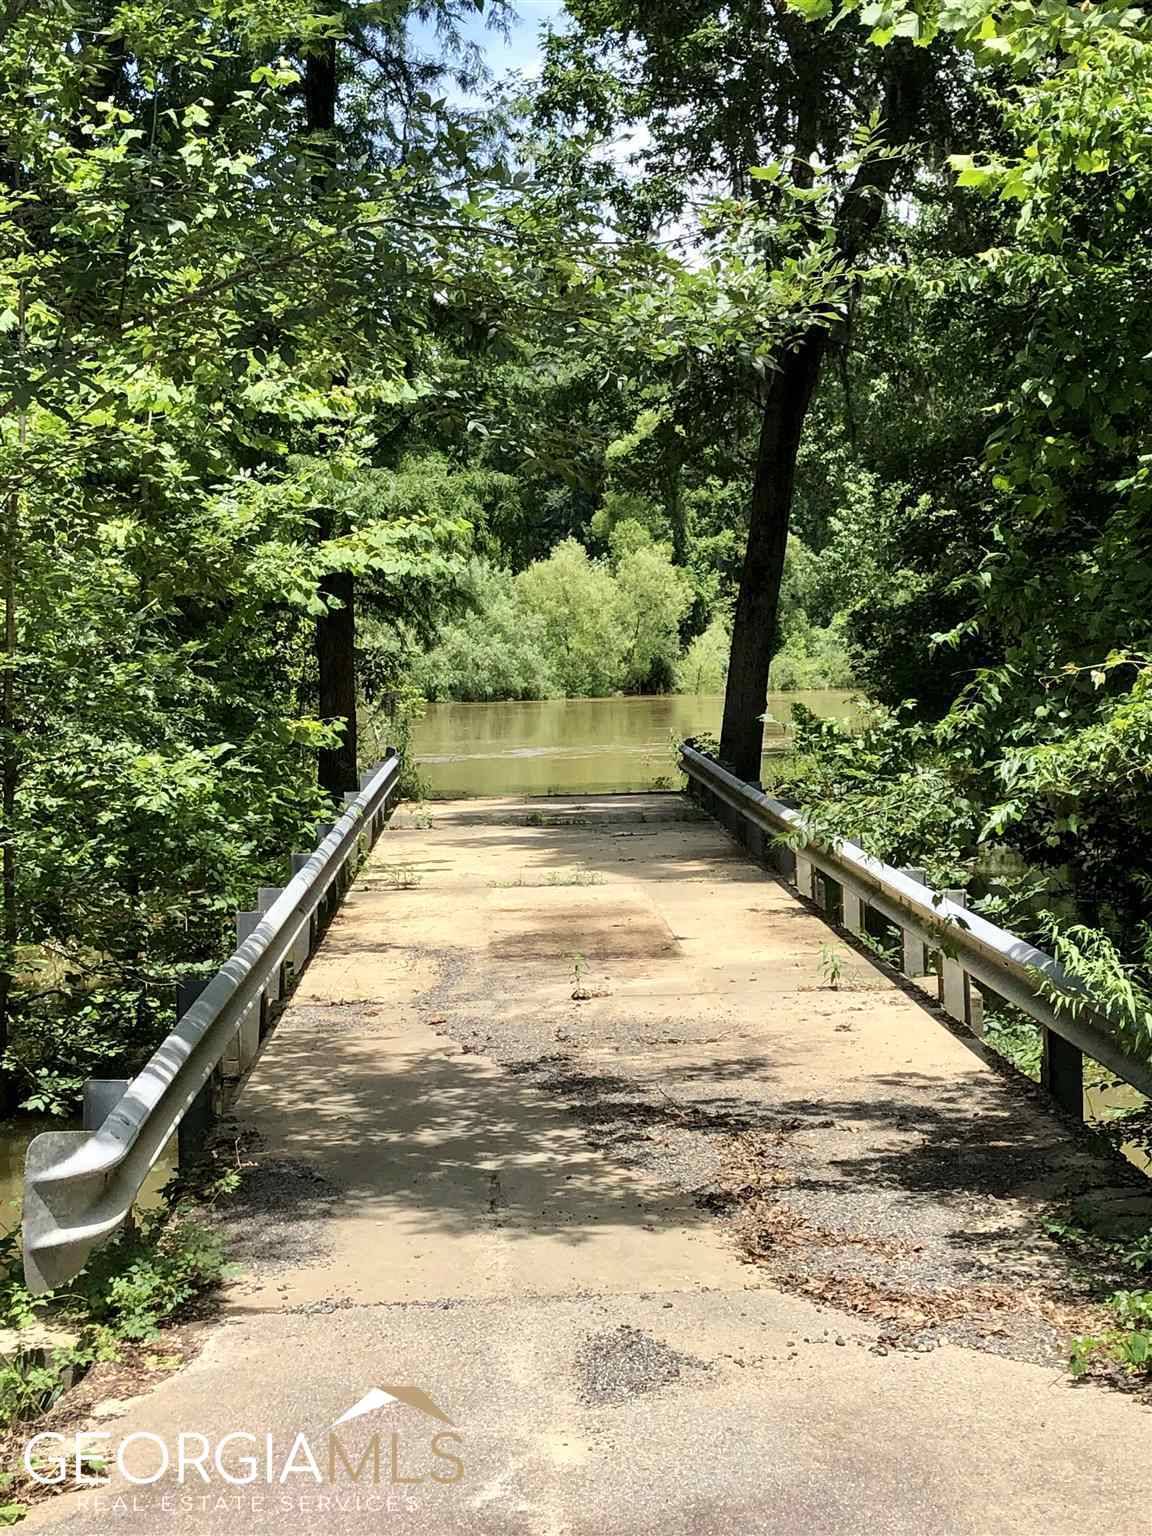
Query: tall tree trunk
[9,922]
[755,625]
[336,668]
[674,508]
[320,91]
[10,747]
[335,637]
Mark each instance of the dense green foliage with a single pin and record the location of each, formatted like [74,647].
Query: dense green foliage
[1003,546]
[149,1276]
[315,387]
[219,316]
[575,625]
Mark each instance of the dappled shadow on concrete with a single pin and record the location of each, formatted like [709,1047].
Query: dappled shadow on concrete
[663,850]
[922,1203]
[443,1137]
[980,1138]
[552,1145]
[461,1096]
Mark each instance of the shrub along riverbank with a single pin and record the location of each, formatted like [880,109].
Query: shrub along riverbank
[577,625]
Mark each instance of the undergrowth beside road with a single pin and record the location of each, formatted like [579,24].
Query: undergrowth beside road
[1089,1304]
[149,1278]
[1119,1350]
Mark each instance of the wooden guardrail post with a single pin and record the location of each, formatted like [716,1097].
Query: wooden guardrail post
[1062,1072]
[194,1129]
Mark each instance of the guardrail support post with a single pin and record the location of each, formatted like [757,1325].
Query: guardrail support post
[200,1116]
[101,1095]
[853,909]
[193,1131]
[915,962]
[959,998]
[187,991]
[248,1035]
[302,947]
[265,897]
[804,876]
[1062,1072]
[246,923]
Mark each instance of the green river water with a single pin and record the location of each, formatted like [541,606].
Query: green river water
[581,746]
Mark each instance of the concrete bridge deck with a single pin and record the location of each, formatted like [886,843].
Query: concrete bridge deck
[568,1127]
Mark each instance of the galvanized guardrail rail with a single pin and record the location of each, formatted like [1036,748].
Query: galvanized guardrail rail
[80,1186]
[976,959]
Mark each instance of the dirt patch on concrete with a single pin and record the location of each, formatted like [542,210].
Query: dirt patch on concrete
[626,1362]
[641,1125]
[278,1218]
[1027,1302]
[922,1209]
[927,1217]
[600,929]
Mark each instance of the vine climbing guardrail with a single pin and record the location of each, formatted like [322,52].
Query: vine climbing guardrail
[975,956]
[80,1186]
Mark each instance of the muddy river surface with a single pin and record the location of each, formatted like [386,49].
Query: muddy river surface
[573,746]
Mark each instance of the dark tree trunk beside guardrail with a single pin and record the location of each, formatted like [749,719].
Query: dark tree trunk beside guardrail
[335,639]
[336,668]
[756,621]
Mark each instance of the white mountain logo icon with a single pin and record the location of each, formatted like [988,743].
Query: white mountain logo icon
[384,1397]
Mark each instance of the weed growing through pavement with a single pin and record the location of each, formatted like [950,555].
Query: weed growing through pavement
[832,966]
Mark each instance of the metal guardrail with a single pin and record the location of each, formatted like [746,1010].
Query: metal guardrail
[79,1188]
[975,956]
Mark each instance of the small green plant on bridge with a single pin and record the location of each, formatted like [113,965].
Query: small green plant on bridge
[1124,1344]
[833,966]
[401,877]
